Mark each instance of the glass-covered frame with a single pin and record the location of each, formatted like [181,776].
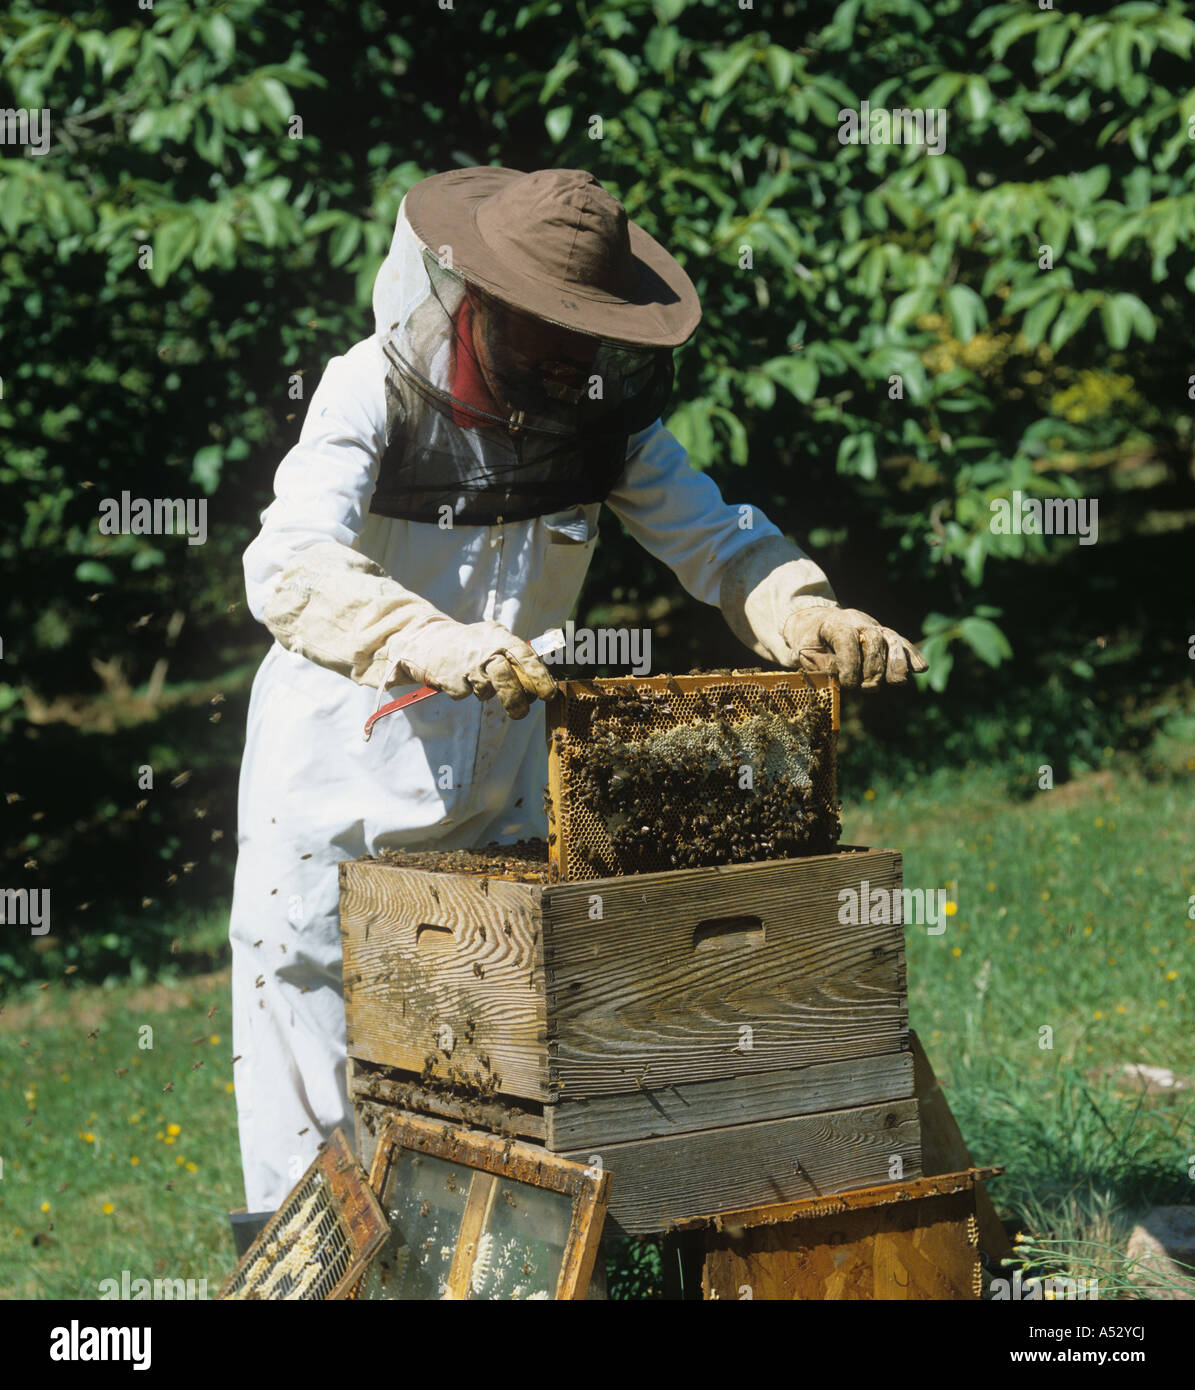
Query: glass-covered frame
[477,1216]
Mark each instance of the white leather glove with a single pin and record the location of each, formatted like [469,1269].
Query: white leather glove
[339,609]
[780,604]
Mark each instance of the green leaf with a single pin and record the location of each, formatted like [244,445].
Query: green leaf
[728,70]
[557,122]
[936,650]
[1037,320]
[661,48]
[623,70]
[967,311]
[206,467]
[1072,318]
[857,455]
[779,63]
[1117,318]
[798,374]
[692,426]
[561,71]
[343,241]
[219,35]
[267,218]
[93,572]
[985,639]
[278,97]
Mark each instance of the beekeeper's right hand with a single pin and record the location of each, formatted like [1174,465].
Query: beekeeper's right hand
[339,609]
[483,659]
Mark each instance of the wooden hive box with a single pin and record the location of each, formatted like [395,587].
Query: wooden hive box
[713,1036]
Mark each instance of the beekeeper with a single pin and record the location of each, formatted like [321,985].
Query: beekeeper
[440,507]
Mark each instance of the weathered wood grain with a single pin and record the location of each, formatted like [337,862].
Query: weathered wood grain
[623,985]
[655,993]
[733,1100]
[945,1150]
[423,951]
[923,1248]
[402,1089]
[660,1182]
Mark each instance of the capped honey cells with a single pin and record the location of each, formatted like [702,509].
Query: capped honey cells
[692,771]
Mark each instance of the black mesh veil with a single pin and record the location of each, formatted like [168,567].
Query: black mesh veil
[493,414]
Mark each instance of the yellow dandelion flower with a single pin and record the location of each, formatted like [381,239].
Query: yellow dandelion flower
[192,1167]
[174,1129]
[89,1138]
[159,1135]
[214,1039]
[1120,1008]
[1098,1014]
[45,1206]
[107,1208]
[1088,930]
[950,909]
[134,1160]
[869,794]
[169,1139]
[958,951]
[1172,974]
[991,887]
[229,1088]
[180,1160]
[1045,895]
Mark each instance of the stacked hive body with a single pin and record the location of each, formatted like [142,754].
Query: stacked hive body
[713,1036]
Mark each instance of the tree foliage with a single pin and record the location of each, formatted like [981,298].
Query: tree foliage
[892,338]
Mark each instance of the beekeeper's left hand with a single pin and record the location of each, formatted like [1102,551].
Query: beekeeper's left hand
[849,644]
[780,603]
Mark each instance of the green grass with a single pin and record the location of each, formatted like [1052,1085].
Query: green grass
[87,1125]
[1072,916]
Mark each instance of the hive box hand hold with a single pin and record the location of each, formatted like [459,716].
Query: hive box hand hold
[577,990]
[681,772]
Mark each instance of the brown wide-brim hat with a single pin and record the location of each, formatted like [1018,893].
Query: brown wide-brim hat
[555,244]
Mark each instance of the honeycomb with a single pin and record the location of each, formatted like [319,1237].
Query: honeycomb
[320,1239]
[681,772]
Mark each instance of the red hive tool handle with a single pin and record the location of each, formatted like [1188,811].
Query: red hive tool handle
[547,642]
[424,692]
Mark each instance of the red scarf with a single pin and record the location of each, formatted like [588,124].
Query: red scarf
[467,384]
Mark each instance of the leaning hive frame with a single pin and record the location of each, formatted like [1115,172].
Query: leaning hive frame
[798,710]
[319,1240]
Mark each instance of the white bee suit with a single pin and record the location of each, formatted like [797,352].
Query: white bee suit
[443,772]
